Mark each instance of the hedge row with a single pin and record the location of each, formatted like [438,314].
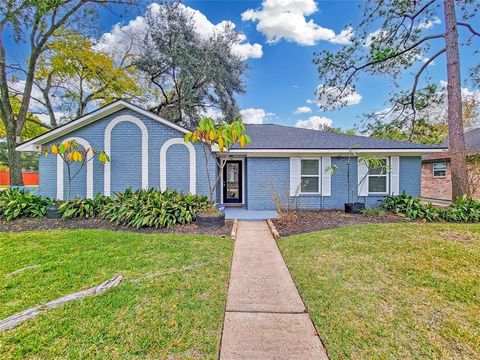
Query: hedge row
[141,208]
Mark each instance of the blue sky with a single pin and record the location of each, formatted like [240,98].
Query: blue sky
[284,78]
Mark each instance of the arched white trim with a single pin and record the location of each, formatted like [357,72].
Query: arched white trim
[60,175]
[163,163]
[108,145]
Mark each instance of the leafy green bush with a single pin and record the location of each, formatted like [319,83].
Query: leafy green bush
[463,210]
[411,207]
[84,208]
[18,203]
[153,208]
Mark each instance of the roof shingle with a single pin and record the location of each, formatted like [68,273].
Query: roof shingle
[272,136]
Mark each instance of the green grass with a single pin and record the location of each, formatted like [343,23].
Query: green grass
[176,315]
[392,291]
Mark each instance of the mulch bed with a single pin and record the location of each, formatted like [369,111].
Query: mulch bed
[28,224]
[305,221]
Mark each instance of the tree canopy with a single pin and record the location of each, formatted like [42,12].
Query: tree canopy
[194,73]
[396,38]
[75,74]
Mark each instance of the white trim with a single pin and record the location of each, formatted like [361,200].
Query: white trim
[243,182]
[193,163]
[433,169]
[108,146]
[35,144]
[326,176]
[295,178]
[386,176]
[395,175]
[362,175]
[60,166]
[318,176]
[288,152]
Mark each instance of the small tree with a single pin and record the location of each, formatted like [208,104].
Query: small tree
[371,163]
[71,153]
[222,136]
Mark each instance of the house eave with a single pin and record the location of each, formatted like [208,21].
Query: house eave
[340,152]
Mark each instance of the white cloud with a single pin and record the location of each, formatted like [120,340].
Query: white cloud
[429,23]
[303,110]
[314,122]
[212,113]
[247,50]
[18,87]
[255,116]
[331,95]
[286,19]
[122,36]
[344,38]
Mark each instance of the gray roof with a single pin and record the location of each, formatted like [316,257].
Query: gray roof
[472,140]
[271,136]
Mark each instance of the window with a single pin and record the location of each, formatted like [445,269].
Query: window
[378,179]
[439,169]
[310,176]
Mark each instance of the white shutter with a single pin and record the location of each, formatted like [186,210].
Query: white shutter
[363,178]
[295,169]
[326,176]
[395,175]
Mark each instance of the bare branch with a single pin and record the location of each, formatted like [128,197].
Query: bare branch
[469,27]
[371,63]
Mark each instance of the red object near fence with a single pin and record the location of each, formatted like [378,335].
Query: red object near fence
[29,178]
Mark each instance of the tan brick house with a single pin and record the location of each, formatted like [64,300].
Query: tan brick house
[436,175]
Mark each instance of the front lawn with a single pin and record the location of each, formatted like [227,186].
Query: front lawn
[169,305]
[392,290]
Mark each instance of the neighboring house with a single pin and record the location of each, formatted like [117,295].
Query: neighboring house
[148,151]
[436,174]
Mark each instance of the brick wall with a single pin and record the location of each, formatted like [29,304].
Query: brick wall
[267,175]
[439,187]
[436,187]
[126,163]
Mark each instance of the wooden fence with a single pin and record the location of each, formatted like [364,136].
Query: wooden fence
[29,178]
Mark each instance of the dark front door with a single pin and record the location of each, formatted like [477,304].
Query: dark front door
[232,182]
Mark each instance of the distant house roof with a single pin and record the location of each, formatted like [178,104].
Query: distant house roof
[472,145]
[271,136]
[472,140]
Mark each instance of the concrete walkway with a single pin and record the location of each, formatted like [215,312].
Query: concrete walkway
[265,317]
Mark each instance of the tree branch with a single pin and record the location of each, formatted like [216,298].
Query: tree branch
[469,27]
[415,85]
[371,63]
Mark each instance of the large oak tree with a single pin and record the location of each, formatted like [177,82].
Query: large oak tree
[193,73]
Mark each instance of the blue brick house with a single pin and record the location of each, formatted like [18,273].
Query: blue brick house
[282,164]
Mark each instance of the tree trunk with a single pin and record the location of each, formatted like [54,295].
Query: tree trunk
[455,124]
[14,163]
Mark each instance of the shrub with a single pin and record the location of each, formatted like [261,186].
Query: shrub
[411,207]
[463,210]
[18,203]
[84,208]
[374,212]
[153,208]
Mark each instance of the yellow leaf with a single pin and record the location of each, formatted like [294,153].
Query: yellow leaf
[54,149]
